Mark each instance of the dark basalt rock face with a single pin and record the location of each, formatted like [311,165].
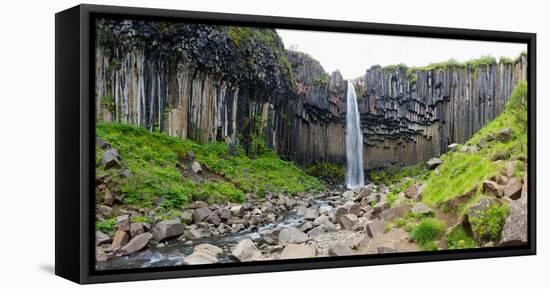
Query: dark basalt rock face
[411,118]
[220,83]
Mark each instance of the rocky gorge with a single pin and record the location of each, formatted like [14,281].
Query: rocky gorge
[205,134]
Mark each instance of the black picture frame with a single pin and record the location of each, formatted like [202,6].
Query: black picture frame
[75,143]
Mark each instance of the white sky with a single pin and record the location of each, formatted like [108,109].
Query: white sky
[353,54]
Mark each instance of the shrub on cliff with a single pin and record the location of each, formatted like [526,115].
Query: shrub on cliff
[329,172]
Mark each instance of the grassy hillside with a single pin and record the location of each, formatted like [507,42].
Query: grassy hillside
[463,171]
[157,165]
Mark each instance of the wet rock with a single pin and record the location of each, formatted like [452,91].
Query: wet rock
[192,234]
[101,238]
[245,251]
[120,239]
[167,229]
[376,228]
[504,135]
[101,256]
[433,163]
[203,254]
[513,189]
[391,214]
[297,251]
[348,221]
[292,235]
[514,231]
[105,211]
[201,214]
[136,243]
[213,219]
[340,249]
[111,159]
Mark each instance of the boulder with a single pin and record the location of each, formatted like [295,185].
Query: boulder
[340,249]
[473,213]
[376,228]
[167,229]
[317,231]
[388,248]
[514,232]
[187,216]
[292,235]
[196,167]
[422,209]
[306,226]
[237,210]
[452,147]
[325,222]
[99,142]
[433,163]
[136,243]
[339,212]
[492,188]
[101,238]
[310,214]
[297,251]
[380,207]
[120,239]
[213,219]
[201,214]
[412,191]
[108,198]
[111,159]
[136,229]
[348,221]
[245,251]
[363,193]
[504,135]
[354,209]
[123,222]
[348,195]
[203,254]
[391,214]
[192,234]
[513,189]
[105,211]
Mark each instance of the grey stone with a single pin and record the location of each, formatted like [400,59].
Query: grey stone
[433,163]
[292,235]
[297,251]
[136,243]
[245,251]
[201,214]
[167,229]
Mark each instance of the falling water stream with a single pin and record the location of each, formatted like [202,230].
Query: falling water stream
[354,142]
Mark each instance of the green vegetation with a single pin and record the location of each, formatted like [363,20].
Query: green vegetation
[488,223]
[427,232]
[329,172]
[156,160]
[395,174]
[458,238]
[108,102]
[115,64]
[463,171]
[141,219]
[106,226]
[321,80]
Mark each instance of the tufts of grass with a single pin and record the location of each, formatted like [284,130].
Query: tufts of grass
[106,226]
[427,232]
[458,238]
[488,224]
[141,219]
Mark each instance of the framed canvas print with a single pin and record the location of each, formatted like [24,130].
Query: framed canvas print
[193,144]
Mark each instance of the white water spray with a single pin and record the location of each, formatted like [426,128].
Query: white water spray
[354,142]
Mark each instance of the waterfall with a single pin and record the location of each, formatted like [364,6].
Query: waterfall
[354,142]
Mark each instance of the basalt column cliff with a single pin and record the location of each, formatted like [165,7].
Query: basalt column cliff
[238,84]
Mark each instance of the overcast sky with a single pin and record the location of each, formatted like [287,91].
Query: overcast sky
[353,54]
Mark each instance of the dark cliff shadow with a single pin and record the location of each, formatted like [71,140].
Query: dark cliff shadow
[48,268]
